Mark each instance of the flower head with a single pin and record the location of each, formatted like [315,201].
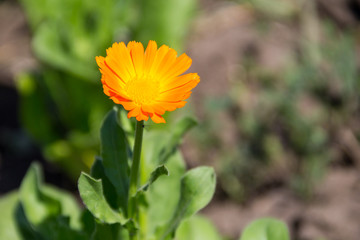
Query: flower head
[147,83]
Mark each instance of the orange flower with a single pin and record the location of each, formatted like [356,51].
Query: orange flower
[146,83]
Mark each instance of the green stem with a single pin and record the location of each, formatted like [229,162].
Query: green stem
[134,174]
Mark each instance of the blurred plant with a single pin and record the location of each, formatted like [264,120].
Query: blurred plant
[266,229]
[67,35]
[290,124]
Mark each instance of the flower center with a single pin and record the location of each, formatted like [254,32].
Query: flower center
[142,90]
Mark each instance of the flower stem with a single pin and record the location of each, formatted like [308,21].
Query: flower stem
[134,174]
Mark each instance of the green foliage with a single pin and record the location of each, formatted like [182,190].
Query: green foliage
[8,205]
[91,192]
[45,212]
[114,157]
[266,229]
[169,26]
[189,192]
[197,228]
[197,189]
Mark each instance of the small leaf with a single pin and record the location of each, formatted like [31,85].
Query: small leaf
[25,228]
[158,195]
[58,228]
[114,155]
[197,189]
[197,228]
[160,170]
[266,229]
[98,172]
[8,205]
[110,232]
[91,192]
[38,205]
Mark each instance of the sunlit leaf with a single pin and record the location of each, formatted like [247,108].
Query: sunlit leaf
[8,205]
[266,229]
[197,189]
[114,156]
[37,205]
[91,192]
[197,228]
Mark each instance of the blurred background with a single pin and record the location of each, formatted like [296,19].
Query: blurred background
[277,105]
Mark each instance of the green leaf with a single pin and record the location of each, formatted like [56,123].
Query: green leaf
[69,205]
[175,139]
[37,204]
[58,228]
[8,205]
[109,232]
[197,228]
[266,229]
[197,189]
[114,155]
[158,195]
[159,145]
[91,192]
[98,172]
[25,228]
[170,23]
[160,170]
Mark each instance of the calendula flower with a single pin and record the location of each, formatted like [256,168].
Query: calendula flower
[146,83]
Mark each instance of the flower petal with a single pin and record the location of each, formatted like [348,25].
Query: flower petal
[119,60]
[137,54]
[157,118]
[150,54]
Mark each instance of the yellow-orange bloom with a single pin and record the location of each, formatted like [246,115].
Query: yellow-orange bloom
[146,83]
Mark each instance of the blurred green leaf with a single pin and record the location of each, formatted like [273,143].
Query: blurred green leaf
[25,228]
[158,195]
[266,229]
[197,189]
[91,192]
[114,155]
[8,228]
[165,21]
[69,205]
[58,228]
[38,205]
[159,171]
[109,232]
[197,228]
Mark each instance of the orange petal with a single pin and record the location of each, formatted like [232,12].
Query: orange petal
[157,118]
[178,67]
[112,79]
[158,108]
[142,116]
[150,54]
[171,106]
[160,54]
[147,108]
[128,105]
[178,93]
[179,81]
[119,60]
[137,54]
[134,113]
[166,63]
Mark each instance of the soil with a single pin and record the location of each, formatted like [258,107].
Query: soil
[222,34]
